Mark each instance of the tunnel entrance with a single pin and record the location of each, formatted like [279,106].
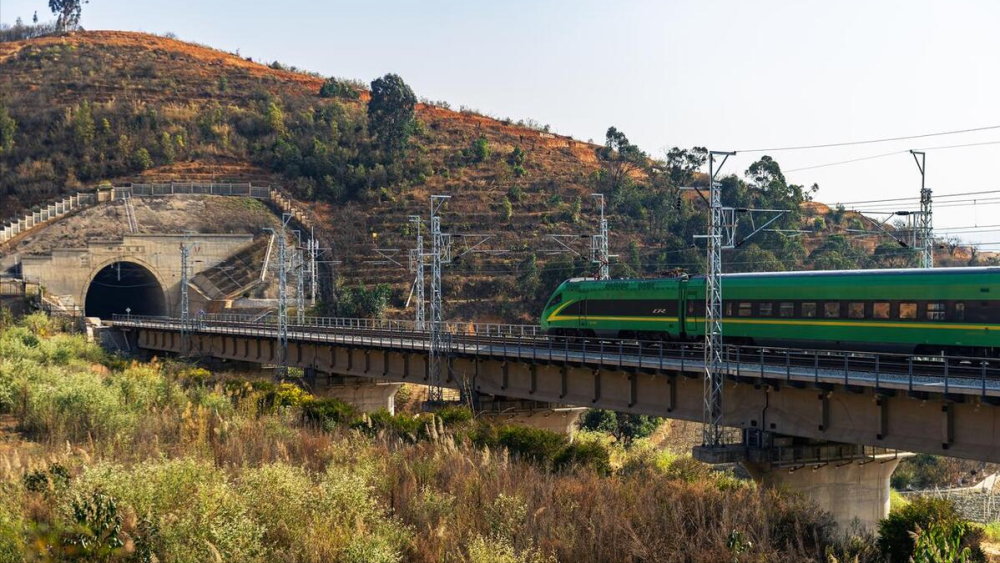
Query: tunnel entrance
[124,285]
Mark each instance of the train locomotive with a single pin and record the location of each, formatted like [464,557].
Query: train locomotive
[954,311]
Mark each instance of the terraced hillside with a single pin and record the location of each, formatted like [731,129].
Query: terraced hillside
[88,107]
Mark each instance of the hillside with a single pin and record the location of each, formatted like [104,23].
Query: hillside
[114,106]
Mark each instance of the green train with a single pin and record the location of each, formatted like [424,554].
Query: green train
[944,310]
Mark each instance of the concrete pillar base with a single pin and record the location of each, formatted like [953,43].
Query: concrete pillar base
[364,394]
[855,493]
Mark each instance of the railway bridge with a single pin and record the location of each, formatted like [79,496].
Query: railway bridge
[830,424]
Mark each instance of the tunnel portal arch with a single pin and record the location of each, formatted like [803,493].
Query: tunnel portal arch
[122,285]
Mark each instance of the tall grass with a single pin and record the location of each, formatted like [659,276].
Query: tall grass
[163,461]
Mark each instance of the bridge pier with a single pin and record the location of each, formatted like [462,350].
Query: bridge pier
[849,481]
[365,394]
[855,493]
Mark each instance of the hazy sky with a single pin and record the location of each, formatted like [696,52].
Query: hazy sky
[729,75]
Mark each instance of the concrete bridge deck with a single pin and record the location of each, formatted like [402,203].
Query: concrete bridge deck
[920,406]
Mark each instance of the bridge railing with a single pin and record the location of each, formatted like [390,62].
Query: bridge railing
[951,375]
[482,329]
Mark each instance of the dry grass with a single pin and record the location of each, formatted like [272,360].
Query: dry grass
[220,473]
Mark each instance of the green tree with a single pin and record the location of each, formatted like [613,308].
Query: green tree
[682,164]
[515,193]
[528,279]
[634,258]
[753,258]
[516,161]
[626,428]
[575,209]
[619,158]
[8,127]
[333,88]
[516,157]
[141,160]
[390,113]
[83,125]
[167,147]
[480,150]
[361,302]
[275,119]
[67,13]
[508,209]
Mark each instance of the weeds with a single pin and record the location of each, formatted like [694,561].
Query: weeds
[158,461]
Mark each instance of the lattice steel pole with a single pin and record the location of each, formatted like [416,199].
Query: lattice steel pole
[417,266]
[439,248]
[313,251]
[300,289]
[282,303]
[926,213]
[599,245]
[714,376]
[185,302]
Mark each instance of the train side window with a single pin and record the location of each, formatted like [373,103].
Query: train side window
[746,309]
[881,310]
[766,309]
[831,310]
[908,311]
[959,311]
[935,311]
[809,310]
[786,310]
[729,309]
[856,310]
[691,307]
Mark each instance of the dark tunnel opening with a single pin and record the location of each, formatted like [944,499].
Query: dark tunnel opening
[124,285]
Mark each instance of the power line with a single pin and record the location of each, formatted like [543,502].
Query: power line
[883,155]
[838,163]
[872,141]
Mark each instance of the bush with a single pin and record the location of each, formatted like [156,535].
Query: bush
[590,453]
[479,151]
[334,88]
[946,542]
[516,157]
[896,532]
[454,415]
[532,444]
[328,411]
[141,160]
[515,193]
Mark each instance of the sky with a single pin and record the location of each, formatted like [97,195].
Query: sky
[727,75]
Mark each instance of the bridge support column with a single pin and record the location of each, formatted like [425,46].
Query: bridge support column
[855,493]
[849,481]
[365,394]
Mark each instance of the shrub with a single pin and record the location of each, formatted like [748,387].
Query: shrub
[508,209]
[334,88]
[480,150]
[98,526]
[516,157]
[585,453]
[945,542]
[141,160]
[532,444]
[896,532]
[454,415]
[515,193]
[328,411]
